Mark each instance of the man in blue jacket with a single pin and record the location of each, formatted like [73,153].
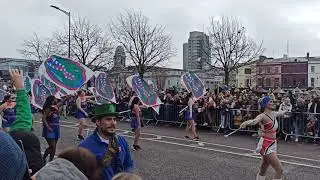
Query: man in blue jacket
[110,149]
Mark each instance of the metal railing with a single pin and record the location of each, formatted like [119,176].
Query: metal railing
[297,125]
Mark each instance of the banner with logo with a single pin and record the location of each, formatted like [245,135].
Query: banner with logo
[146,95]
[193,84]
[54,90]
[104,87]
[39,93]
[67,74]
[99,99]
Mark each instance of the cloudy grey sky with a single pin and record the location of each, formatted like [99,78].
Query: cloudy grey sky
[272,21]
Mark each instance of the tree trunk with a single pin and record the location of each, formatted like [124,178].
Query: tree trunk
[141,72]
[226,77]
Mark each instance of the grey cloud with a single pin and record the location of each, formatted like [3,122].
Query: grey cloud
[265,20]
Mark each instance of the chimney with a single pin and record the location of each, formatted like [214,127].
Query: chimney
[308,55]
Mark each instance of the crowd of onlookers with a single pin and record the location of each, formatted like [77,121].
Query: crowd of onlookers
[227,109]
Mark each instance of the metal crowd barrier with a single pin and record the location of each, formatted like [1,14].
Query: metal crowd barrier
[301,125]
[238,116]
[296,124]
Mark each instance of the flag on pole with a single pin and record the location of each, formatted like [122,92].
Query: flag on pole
[146,95]
[54,90]
[99,99]
[193,84]
[39,93]
[103,86]
[67,74]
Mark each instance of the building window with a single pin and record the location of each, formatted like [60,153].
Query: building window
[268,82]
[312,69]
[285,81]
[168,82]
[248,83]
[294,82]
[302,82]
[276,82]
[260,70]
[260,82]
[247,71]
[276,69]
[268,70]
[312,82]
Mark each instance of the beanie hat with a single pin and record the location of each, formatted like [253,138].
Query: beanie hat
[13,162]
[265,101]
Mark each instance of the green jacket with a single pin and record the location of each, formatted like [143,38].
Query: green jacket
[23,120]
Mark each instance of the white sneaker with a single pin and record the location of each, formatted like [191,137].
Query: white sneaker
[260,177]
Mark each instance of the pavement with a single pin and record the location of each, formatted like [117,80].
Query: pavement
[167,155]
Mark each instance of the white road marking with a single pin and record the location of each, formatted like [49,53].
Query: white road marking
[210,149]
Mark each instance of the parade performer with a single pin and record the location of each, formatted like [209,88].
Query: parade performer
[267,145]
[9,112]
[190,117]
[51,125]
[108,147]
[82,112]
[136,122]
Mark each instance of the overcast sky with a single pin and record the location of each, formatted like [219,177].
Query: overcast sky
[271,21]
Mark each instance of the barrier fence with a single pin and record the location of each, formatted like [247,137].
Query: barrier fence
[295,125]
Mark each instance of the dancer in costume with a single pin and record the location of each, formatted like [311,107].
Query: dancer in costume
[8,108]
[82,112]
[267,145]
[190,117]
[51,125]
[136,122]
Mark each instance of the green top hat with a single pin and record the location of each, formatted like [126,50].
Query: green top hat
[104,110]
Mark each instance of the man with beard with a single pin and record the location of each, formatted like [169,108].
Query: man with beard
[111,150]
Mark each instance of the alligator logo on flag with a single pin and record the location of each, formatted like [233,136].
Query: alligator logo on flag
[54,90]
[39,93]
[67,74]
[193,85]
[104,87]
[147,96]
[27,83]
[99,99]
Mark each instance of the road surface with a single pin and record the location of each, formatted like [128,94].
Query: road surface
[167,156]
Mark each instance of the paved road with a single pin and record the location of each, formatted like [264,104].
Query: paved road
[166,155]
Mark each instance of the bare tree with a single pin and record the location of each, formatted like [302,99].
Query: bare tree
[39,49]
[230,46]
[88,44]
[147,45]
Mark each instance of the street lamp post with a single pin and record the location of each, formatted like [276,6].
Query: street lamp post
[69,15]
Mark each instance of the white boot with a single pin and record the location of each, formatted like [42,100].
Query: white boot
[260,177]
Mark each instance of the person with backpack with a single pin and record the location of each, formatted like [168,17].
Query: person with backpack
[110,149]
